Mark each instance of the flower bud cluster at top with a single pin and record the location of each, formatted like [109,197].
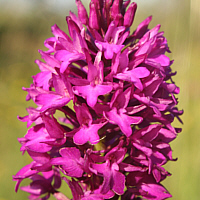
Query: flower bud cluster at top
[114,140]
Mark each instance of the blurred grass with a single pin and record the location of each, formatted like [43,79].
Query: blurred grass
[22,35]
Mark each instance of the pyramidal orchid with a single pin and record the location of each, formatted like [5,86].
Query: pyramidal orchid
[105,103]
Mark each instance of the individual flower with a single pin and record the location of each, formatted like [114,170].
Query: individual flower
[88,130]
[70,161]
[105,103]
[42,185]
[143,184]
[118,113]
[113,179]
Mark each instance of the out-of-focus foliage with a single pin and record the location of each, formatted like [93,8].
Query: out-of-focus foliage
[22,35]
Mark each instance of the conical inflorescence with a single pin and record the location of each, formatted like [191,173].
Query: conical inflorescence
[105,106]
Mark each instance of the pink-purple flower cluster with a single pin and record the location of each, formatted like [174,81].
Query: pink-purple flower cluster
[105,104]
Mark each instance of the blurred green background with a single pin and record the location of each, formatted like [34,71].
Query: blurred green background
[25,24]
